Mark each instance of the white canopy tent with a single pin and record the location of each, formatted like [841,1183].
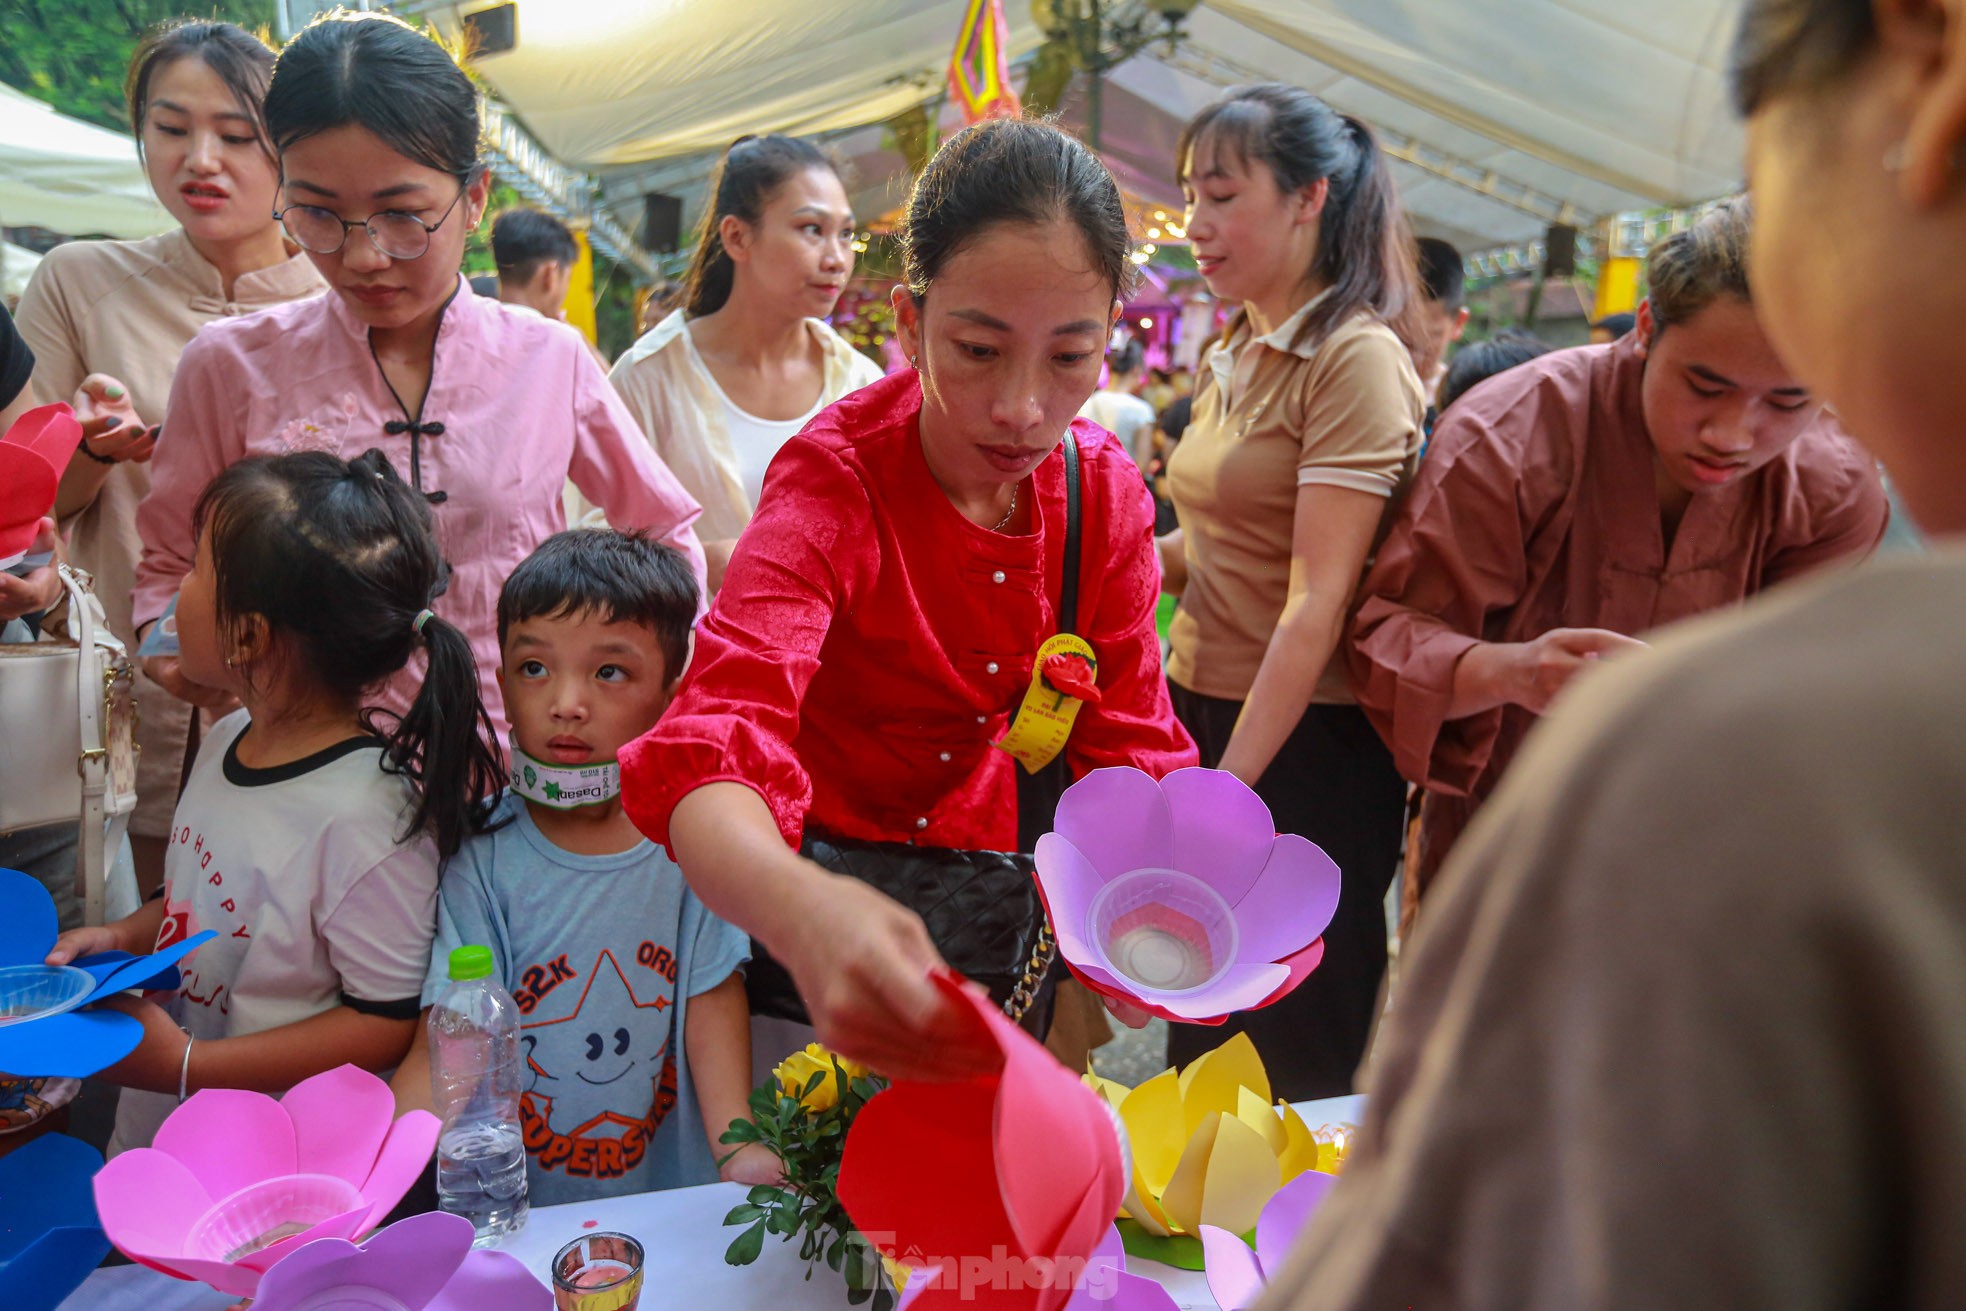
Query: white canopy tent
[69,176]
[17,265]
[1505,115]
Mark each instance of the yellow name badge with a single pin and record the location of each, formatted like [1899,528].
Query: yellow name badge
[1044,721]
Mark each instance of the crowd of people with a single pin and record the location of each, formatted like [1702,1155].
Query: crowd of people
[1693,946]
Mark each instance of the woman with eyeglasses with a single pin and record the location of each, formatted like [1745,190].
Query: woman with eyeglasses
[488,410]
[115,315]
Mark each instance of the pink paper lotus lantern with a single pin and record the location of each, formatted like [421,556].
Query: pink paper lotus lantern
[237,1180]
[423,1263]
[1180,896]
[1236,1275]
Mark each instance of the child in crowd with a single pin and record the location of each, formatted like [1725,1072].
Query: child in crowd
[309,834]
[634,1025]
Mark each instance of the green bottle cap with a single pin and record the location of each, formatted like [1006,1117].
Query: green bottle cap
[469,963]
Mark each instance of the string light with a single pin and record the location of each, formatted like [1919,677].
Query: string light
[1146,322]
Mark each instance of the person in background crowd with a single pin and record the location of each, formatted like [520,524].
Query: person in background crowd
[1611,327]
[747,359]
[1588,497]
[1686,1026]
[488,410]
[312,828]
[535,253]
[883,613]
[1118,408]
[125,310]
[1482,360]
[1173,422]
[1306,428]
[1442,314]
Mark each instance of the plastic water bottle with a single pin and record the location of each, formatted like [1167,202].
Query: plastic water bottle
[475,1077]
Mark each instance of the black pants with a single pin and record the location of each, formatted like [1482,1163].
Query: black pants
[1333,782]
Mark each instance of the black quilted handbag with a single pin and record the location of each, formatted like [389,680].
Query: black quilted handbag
[981,907]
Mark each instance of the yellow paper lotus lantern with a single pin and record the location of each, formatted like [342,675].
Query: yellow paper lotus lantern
[1209,1144]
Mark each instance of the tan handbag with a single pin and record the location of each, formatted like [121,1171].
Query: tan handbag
[68,720]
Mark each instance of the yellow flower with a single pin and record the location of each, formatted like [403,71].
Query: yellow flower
[1209,1147]
[796,1070]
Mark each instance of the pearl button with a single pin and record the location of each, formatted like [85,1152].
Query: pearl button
[921,824]
[946,757]
[997,577]
[982,719]
[990,668]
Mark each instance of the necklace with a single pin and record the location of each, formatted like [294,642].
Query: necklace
[1004,522]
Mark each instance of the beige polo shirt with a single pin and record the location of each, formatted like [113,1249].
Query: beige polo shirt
[1271,416]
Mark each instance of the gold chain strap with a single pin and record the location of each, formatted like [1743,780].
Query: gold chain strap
[1039,965]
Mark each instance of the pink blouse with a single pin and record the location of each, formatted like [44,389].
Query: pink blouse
[870,643]
[516,407]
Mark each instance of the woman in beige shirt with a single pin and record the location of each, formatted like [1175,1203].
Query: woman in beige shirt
[725,381]
[125,309]
[1306,426]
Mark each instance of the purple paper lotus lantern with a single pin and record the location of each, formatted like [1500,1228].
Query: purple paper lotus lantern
[1236,1275]
[1179,896]
[236,1180]
[424,1263]
[44,1030]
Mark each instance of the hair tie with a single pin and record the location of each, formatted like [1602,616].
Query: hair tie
[422,617]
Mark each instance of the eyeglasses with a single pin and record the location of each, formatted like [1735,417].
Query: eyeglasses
[399,236]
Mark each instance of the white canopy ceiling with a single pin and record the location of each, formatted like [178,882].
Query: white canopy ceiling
[69,176]
[1506,115]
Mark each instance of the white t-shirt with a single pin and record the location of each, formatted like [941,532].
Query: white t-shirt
[1124,415]
[753,441]
[315,903]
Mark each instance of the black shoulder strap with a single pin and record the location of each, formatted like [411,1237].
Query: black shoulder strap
[1068,594]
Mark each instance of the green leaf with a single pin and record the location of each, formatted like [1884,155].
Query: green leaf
[812,1084]
[744,1248]
[743,1214]
[740,1131]
[783,1222]
[883,1298]
[763,1194]
[855,1296]
[836,1251]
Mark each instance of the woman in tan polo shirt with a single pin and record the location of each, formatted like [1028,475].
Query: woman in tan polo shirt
[126,309]
[1306,427]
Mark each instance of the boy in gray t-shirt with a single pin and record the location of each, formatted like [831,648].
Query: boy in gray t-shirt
[633,1020]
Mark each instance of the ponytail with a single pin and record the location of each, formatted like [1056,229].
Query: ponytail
[742,184]
[340,560]
[1365,254]
[444,742]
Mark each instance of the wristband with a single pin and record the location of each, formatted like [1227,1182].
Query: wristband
[99,459]
[184,1068]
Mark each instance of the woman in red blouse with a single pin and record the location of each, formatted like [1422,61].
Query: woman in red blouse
[879,620]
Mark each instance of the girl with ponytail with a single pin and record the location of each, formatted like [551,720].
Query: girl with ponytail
[1306,429]
[311,829]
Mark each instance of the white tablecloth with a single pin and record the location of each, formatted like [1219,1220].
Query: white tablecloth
[684,1235]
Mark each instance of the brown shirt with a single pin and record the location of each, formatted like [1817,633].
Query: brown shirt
[127,309]
[1537,508]
[1684,1025]
[1271,417]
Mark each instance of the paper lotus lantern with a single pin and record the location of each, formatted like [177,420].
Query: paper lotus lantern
[1236,1275]
[49,1238]
[44,1032]
[1101,1285]
[236,1180]
[1179,896]
[1209,1148]
[33,454]
[423,1263]
[1018,1170]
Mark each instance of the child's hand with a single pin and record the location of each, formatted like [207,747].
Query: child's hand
[754,1163]
[77,943]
